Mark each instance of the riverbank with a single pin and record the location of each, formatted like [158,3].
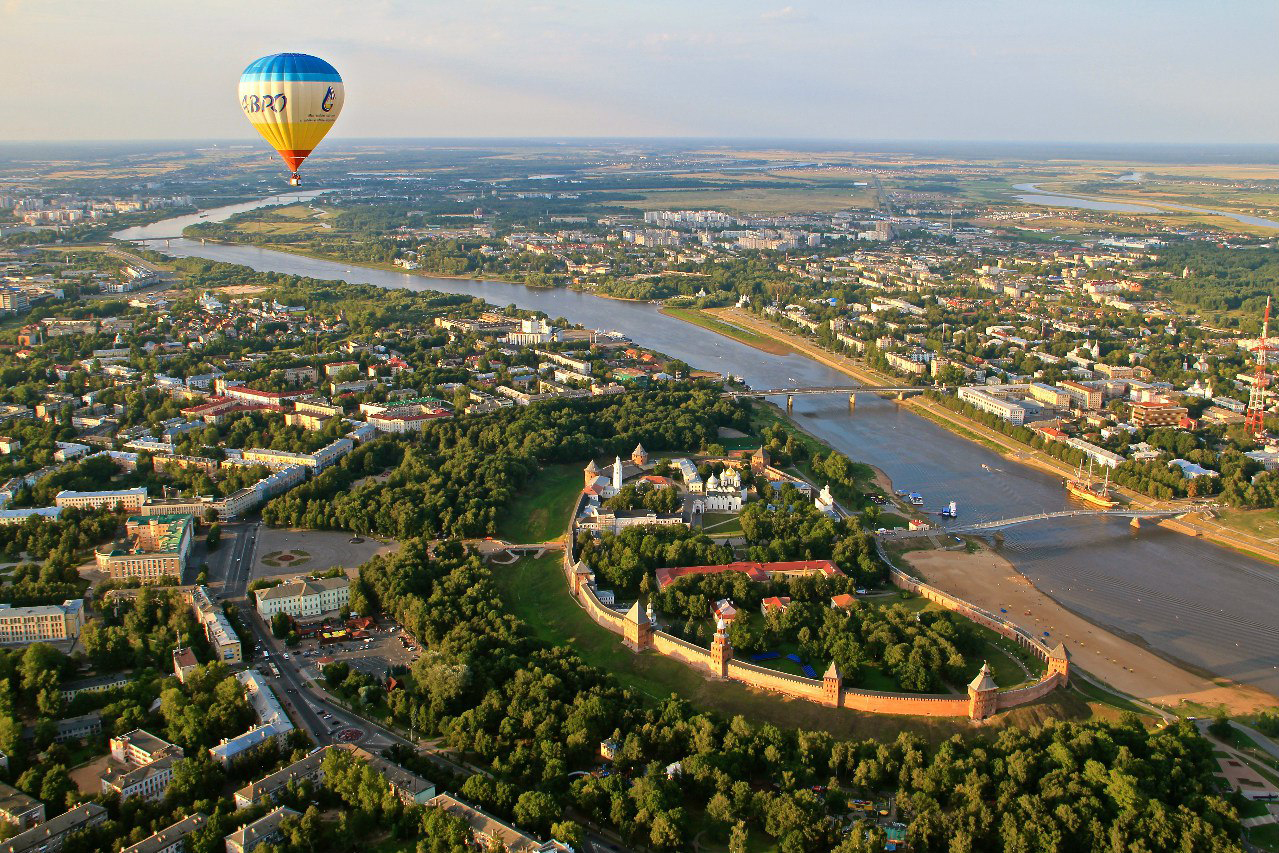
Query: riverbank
[802,345]
[1195,524]
[703,318]
[988,580]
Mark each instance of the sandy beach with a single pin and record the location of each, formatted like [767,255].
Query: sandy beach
[990,581]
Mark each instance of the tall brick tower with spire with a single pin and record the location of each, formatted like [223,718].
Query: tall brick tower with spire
[721,650]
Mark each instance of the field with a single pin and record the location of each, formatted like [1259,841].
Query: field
[540,512]
[796,191]
[536,592]
[282,221]
[1262,523]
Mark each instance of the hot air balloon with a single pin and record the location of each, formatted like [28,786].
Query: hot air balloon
[292,99]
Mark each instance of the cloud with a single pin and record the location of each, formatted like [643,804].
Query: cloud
[786,13]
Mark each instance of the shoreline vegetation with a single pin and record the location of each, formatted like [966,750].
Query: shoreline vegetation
[1009,449]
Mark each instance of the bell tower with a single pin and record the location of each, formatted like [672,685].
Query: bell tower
[721,650]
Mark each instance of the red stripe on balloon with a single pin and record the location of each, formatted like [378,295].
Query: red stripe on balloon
[294,156]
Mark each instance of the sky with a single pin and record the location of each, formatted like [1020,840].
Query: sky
[1066,71]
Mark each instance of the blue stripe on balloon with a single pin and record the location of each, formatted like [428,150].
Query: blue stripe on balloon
[291,66]
[287,76]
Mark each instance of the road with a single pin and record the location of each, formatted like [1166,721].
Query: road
[236,570]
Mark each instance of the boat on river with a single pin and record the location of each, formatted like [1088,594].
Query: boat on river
[1088,490]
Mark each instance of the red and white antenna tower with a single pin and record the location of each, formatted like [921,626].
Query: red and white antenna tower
[1255,419]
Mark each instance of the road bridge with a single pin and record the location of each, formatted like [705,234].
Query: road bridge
[1135,515]
[902,391]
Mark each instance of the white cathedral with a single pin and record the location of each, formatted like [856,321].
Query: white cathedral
[723,493]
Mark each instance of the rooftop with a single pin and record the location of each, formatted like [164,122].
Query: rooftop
[755,571]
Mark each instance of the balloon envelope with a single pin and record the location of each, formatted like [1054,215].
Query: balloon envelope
[292,99]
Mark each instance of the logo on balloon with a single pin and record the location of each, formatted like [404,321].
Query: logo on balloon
[327,103]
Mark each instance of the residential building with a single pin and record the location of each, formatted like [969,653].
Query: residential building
[305,599]
[217,628]
[23,625]
[184,663]
[1083,396]
[130,500]
[18,809]
[171,839]
[262,831]
[48,837]
[487,830]
[1156,414]
[407,786]
[272,721]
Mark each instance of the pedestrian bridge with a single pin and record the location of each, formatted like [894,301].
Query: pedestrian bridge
[1136,515]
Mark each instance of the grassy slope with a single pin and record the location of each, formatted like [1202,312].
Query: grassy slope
[538,514]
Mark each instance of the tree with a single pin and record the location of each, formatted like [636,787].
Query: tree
[214,538]
[281,625]
[536,809]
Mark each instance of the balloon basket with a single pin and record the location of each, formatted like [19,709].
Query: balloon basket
[295,180]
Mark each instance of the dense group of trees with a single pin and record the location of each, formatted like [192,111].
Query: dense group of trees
[532,714]
[140,633]
[454,477]
[925,654]
[625,561]
[642,496]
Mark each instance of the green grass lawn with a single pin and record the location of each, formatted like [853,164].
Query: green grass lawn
[721,524]
[540,512]
[1266,837]
[537,593]
[1098,694]
[1253,808]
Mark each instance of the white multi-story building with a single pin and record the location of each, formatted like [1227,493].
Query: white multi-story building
[22,625]
[128,499]
[305,599]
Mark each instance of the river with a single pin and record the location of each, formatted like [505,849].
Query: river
[1194,601]
[1032,194]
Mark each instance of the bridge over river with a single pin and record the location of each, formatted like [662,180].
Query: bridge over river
[902,391]
[1137,516]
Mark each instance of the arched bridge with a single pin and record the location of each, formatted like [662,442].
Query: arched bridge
[1137,515]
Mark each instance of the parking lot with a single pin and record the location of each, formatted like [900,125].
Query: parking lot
[373,655]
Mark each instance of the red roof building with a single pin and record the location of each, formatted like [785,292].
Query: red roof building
[775,602]
[758,572]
